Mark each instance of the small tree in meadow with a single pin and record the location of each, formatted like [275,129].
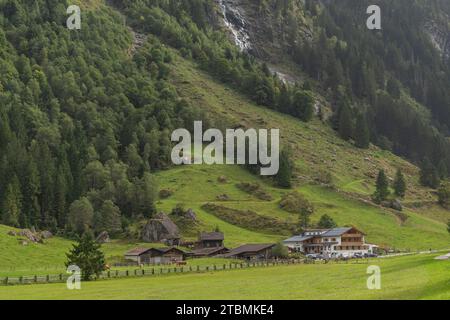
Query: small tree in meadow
[326,222]
[86,254]
[400,184]
[382,191]
[280,251]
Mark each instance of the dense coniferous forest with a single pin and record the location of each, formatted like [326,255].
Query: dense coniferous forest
[82,126]
[84,123]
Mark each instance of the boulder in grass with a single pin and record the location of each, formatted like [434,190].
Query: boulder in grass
[396,205]
[27,233]
[190,214]
[12,233]
[103,237]
[46,234]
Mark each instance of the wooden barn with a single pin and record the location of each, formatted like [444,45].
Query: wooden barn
[210,240]
[251,252]
[155,255]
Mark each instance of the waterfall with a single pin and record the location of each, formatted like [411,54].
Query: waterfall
[235,22]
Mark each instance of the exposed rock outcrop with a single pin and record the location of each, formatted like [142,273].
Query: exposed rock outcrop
[103,237]
[31,236]
[46,234]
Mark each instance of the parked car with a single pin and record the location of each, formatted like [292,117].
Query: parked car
[358,255]
[370,255]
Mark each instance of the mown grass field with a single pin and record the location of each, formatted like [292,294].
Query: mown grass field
[410,277]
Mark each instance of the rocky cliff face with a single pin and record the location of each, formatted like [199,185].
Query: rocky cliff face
[260,30]
[440,36]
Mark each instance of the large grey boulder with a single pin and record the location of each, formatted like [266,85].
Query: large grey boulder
[27,233]
[396,205]
[46,234]
[161,229]
[190,214]
[103,237]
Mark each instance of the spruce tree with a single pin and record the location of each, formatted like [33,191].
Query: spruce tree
[326,222]
[400,184]
[382,191]
[362,137]
[12,204]
[345,122]
[284,175]
[86,255]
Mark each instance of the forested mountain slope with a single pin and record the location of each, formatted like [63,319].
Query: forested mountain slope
[85,119]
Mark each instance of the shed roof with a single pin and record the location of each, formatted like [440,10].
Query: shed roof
[336,232]
[140,251]
[208,251]
[249,248]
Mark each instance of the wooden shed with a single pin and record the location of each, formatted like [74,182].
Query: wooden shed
[155,255]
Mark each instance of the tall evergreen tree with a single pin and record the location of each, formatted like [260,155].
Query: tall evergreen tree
[86,255]
[284,175]
[382,191]
[12,203]
[400,184]
[362,137]
[345,122]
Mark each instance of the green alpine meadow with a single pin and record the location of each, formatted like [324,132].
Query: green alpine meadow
[224,150]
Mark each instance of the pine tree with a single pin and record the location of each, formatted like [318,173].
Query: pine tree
[362,137]
[345,122]
[110,220]
[382,191]
[444,194]
[326,222]
[429,176]
[284,175]
[86,255]
[442,170]
[12,204]
[400,184]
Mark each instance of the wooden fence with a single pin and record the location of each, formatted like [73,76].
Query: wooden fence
[157,271]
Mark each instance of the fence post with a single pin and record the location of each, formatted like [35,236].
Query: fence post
[48,278]
[198,268]
[60,277]
[6,280]
[127,273]
[35,278]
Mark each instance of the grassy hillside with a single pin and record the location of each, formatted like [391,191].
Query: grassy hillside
[343,281]
[317,151]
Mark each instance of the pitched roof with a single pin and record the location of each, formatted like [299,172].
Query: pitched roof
[211,236]
[336,232]
[140,251]
[249,248]
[298,239]
[137,251]
[208,251]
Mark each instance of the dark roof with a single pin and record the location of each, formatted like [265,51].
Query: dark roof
[211,236]
[208,251]
[137,251]
[298,239]
[140,251]
[249,248]
[336,232]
